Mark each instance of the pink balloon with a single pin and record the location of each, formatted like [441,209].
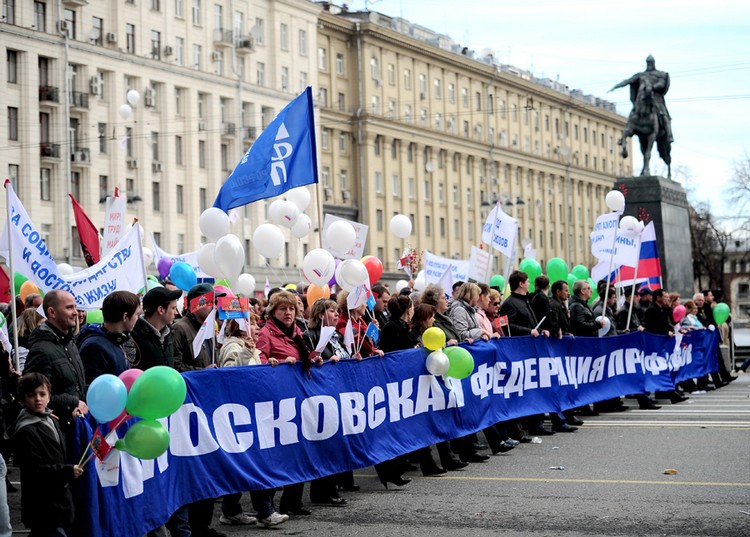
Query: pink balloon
[129,376]
[678,314]
[218,289]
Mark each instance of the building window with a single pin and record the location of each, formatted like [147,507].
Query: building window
[97,30]
[179,51]
[260,31]
[179,9]
[379,182]
[178,150]
[341,102]
[202,200]
[344,180]
[45,187]
[285,79]
[396,185]
[197,13]
[284,36]
[407,79]
[155,45]
[379,219]
[342,142]
[260,72]
[40,16]
[75,184]
[180,200]
[412,188]
[391,74]
[197,57]
[427,226]
[325,176]
[325,139]
[12,123]
[155,196]
[202,154]
[224,156]
[339,63]
[130,38]
[437,89]
[322,59]
[426,190]
[155,146]
[70,18]
[102,130]
[103,187]
[303,43]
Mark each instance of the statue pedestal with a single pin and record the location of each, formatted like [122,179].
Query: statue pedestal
[664,202]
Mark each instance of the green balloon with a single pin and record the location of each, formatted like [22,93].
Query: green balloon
[157,393]
[571,280]
[557,269]
[461,362]
[721,313]
[581,272]
[531,267]
[18,281]
[153,278]
[152,284]
[94,317]
[223,282]
[146,439]
[497,280]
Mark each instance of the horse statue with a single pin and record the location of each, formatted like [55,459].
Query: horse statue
[644,121]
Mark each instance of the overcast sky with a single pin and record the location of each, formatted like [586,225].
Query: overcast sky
[592,45]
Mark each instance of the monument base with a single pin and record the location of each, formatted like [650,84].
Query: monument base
[664,202]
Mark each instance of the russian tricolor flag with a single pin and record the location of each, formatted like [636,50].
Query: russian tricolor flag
[649,267]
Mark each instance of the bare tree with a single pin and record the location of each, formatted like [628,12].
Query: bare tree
[737,193]
[709,243]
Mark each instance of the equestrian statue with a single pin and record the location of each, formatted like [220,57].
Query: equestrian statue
[649,119]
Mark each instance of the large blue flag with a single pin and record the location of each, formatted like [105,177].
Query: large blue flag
[282,157]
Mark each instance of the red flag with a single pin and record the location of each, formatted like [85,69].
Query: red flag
[201,301]
[99,445]
[4,287]
[88,234]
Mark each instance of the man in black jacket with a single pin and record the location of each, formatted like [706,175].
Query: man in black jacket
[582,321]
[152,333]
[53,353]
[558,309]
[539,302]
[521,318]
[658,320]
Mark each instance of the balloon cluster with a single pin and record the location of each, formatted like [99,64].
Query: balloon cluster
[150,395]
[455,362]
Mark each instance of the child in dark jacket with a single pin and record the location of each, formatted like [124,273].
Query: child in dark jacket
[46,499]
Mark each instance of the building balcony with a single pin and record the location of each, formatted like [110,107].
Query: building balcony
[228,129]
[223,38]
[49,151]
[245,45]
[80,156]
[79,99]
[49,94]
[249,133]
[74,3]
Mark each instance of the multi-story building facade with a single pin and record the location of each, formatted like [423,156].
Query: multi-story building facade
[409,123]
[210,76]
[412,123]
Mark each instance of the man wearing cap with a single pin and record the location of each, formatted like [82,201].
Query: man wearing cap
[153,333]
[186,329]
[645,296]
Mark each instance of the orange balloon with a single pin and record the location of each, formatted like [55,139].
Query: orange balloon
[28,288]
[315,292]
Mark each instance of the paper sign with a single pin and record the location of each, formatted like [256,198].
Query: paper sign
[358,250]
[233,307]
[326,333]
[480,262]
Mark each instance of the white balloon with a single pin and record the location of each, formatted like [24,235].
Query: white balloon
[300,197]
[65,269]
[437,363]
[125,111]
[351,273]
[318,266]
[148,256]
[629,223]
[245,285]
[229,256]
[615,200]
[133,97]
[340,237]
[607,325]
[269,241]
[206,261]
[401,226]
[283,213]
[302,226]
[140,231]
[400,285]
[214,223]
[420,283]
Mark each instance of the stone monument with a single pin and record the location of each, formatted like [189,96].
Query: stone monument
[656,198]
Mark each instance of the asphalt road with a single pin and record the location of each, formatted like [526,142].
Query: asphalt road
[613,483]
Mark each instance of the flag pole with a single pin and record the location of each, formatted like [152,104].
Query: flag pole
[635,281]
[12,285]
[319,207]
[143,261]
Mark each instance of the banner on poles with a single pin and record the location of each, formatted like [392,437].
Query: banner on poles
[480,262]
[114,221]
[435,266]
[604,234]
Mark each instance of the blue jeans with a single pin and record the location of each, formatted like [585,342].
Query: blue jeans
[178,525]
[5,529]
[263,502]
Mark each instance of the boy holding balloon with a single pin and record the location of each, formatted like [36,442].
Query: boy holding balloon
[46,499]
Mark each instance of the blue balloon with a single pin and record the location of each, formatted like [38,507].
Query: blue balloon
[183,275]
[106,398]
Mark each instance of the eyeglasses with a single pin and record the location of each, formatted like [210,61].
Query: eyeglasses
[496,303]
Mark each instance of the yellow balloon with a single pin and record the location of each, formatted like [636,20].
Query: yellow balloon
[433,338]
[291,287]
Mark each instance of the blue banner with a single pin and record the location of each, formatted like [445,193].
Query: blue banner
[283,157]
[257,427]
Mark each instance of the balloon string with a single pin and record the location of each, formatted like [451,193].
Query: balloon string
[83,462]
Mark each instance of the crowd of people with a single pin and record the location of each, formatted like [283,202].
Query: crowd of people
[59,355]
